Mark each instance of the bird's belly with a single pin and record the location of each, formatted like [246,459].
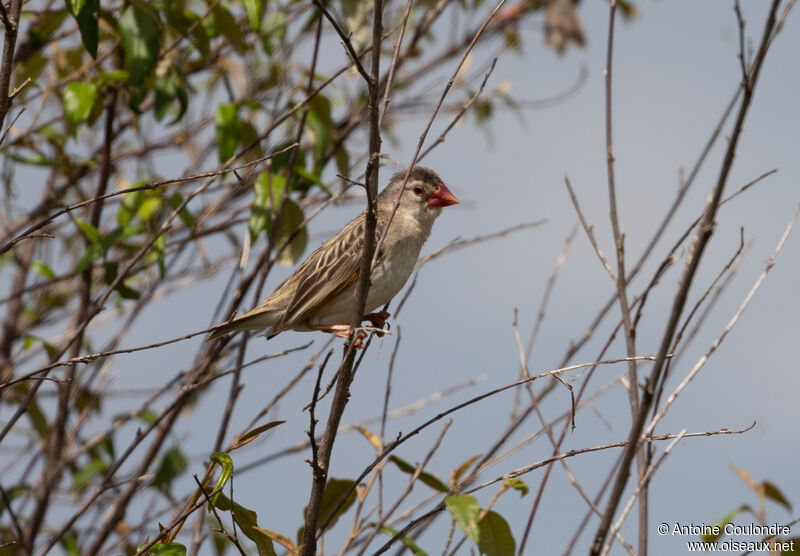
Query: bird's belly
[388,277]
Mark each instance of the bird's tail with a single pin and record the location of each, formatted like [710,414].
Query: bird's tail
[254,320]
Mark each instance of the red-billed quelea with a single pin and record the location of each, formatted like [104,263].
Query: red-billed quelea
[320,294]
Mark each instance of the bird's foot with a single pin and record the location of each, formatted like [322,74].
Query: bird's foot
[378,320]
[358,341]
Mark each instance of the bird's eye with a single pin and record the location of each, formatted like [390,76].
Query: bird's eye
[418,191]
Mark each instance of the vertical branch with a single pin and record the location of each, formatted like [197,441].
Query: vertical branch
[342,393]
[621,281]
[10,19]
[619,238]
[695,254]
[55,454]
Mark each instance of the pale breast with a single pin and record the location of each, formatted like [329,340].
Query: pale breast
[388,277]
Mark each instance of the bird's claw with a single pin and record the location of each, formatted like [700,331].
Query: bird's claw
[358,340]
[378,320]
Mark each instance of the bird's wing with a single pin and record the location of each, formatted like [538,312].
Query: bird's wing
[326,272]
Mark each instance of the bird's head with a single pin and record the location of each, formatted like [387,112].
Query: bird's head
[424,194]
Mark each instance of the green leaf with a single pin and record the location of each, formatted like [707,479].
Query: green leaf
[42,29]
[148,416]
[187,217]
[56,138]
[201,39]
[106,445]
[248,135]
[113,77]
[31,68]
[110,271]
[171,88]
[84,475]
[247,520]
[357,13]
[303,179]
[79,99]
[33,159]
[140,30]
[273,28]
[35,413]
[406,541]
[268,193]
[69,542]
[334,491]
[320,123]
[31,339]
[127,292]
[75,6]
[628,9]
[516,484]
[721,523]
[92,253]
[85,13]
[168,549]
[43,270]
[424,476]
[773,493]
[343,162]
[171,464]
[253,9]
[291,230]
[281,161]
[109,240]
[227,25]
[792,546]
[465,511]
[158,249]
[130,204]
[150,205]
[87,399]
[224,461]
[12,493]
[228,124]
[91,233]
[495,536]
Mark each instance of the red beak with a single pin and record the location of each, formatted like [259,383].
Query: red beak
[442,197]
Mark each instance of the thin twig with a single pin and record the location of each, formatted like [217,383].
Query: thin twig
[589,230]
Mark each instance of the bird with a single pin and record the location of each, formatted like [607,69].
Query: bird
[320,293]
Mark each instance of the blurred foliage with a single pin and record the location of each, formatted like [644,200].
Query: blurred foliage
[764,491]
